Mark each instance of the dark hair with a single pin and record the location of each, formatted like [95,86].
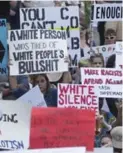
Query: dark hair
[97,56]
[111,61]
[110,31]
[34,77]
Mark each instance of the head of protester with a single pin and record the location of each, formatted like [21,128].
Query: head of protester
[50,94]
[97,60]
[117,139]
[110,37]
[106,141]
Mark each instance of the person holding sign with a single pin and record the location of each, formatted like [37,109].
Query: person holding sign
[50,94]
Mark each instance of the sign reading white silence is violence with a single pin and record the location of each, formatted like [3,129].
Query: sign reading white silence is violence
[108,12]
[108,82]
[65,18]
[77,96]
[14,125]
[37,51]
[119,55]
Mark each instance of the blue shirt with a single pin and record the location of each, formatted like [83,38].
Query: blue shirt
[51,97]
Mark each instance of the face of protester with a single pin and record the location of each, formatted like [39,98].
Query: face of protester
[106,141]
[110,39]
[97,62]
[41,81]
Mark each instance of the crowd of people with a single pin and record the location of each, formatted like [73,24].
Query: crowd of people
[109,121]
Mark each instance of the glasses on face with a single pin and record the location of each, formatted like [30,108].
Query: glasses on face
[110,37]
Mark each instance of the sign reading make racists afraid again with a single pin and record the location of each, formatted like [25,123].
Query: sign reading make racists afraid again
[57,18]
[108,12]
[37,51]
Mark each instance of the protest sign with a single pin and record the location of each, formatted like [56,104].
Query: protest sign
[77,96]
[65,18]
[108,12]
[105,50]
[14,125]
[52,150]
[37,51]
[62,127]
[30,98]
[3,48]
[107,82]
[119,55]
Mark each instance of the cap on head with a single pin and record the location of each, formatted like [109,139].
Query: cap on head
[117,135]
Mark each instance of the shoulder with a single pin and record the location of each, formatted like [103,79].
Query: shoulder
[53,90]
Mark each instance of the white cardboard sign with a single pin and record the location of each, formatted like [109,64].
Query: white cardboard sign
[53,150]
[37,51]
[33,97]
[105,50]
[77,96]
[14,125]
[66,18]
[108,12]
[108,82]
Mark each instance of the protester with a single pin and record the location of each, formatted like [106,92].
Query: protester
[50,94]
[97,60]
[110,37]
[117,139]
[106,141]
[117,27]
[109,120]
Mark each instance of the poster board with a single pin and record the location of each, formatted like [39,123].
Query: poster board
[66,18]
[108,82]
[37,51]
[14,125]
[77,96]
[3,48]
[105,50]
[107,12]
[52,150]
[119,55]
[35,101]
[62,127]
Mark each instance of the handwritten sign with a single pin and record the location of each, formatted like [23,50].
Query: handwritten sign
[105,50]
[107,81]
[77,96]
[14,125]
[59,127]
[37,51]
[30,98]
[108,12]
[3,48]
[65,18]
[119,55]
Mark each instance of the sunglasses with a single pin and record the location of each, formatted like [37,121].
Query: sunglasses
[110,38]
